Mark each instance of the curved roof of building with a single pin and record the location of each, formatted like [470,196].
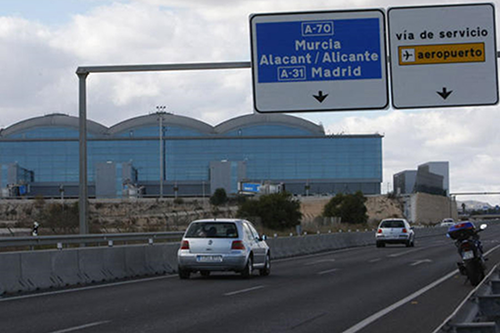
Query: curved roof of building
[257,119]
[53,120]
[95,129]
[168,118]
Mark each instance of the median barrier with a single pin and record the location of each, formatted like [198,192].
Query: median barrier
[65,267]
[114,264]
[161,259]
[91,265]
[479,312]
[135,261]
[32,270]
[36,270]
[10,273]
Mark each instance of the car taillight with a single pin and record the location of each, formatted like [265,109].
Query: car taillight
[404,231]
[379,231]
[237,245]
[185,245]
[466,246]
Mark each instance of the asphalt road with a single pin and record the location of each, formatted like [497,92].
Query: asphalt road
[367,289]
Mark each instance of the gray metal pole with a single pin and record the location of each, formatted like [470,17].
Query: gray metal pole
[83,193]
[161,156]
[83,72]
[163,67]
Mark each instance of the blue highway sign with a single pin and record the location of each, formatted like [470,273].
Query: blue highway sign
[320,61]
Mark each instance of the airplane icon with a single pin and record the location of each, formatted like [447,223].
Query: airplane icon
[407,55]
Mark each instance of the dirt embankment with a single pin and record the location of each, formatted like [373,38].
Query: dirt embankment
[160,215]
[378,207]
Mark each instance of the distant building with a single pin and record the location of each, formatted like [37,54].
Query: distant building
[14,180]
[431,177]
[441,169]
[170,155]
[404,181]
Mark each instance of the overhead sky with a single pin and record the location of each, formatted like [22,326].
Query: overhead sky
[42,42]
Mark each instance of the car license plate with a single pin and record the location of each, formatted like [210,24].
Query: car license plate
[466,255]
[209,258]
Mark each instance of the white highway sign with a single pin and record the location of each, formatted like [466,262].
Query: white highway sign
[319,61]
[443,56]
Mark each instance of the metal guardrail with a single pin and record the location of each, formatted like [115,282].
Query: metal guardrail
[480,311]
[59,241]
[109,239]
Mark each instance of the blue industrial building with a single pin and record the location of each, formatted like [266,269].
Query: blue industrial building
[187,157]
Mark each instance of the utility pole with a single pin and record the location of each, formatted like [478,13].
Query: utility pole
[160,112]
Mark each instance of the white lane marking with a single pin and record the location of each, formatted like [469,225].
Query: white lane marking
[81,327]
[328,271]
[320,261]
[438,329]
[114,284]
[491,250]
[401,253]
[317,254]
[243,291]
[418,262]
[375,260]
[362,324]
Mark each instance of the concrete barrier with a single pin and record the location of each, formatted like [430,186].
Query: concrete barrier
[35,270]
[65,268]
[479,312]
[10,273]
[161,259]
[135,261]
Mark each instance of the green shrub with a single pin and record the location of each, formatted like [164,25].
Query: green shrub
[219,197]
[349,207]
[60,217]
[277,211]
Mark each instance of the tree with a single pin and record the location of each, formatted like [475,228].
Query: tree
[349,207]
[277,211]
[219,197]
[60,217]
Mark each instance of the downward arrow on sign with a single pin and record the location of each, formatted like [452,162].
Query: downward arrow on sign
[444,93]
[320,97]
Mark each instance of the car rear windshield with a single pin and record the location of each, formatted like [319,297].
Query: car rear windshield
[212,230]
[392,224]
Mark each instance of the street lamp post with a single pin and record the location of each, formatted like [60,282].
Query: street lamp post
[160,112]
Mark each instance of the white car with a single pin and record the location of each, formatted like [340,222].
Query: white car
[394,231]
[448,222]
[222,245]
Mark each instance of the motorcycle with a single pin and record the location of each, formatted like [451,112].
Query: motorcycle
[470,249]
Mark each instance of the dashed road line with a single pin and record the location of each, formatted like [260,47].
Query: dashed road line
[320,261]
[81,327]
[243,291]
[328,271]
[362,324]
[399,254]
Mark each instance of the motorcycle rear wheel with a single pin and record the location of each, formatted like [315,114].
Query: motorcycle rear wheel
[475,272]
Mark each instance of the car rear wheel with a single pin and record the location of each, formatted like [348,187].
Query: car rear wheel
[267,266]
[184,274]
[380,244]
[247,271]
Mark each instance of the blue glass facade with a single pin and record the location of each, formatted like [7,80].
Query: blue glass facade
[274,148]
